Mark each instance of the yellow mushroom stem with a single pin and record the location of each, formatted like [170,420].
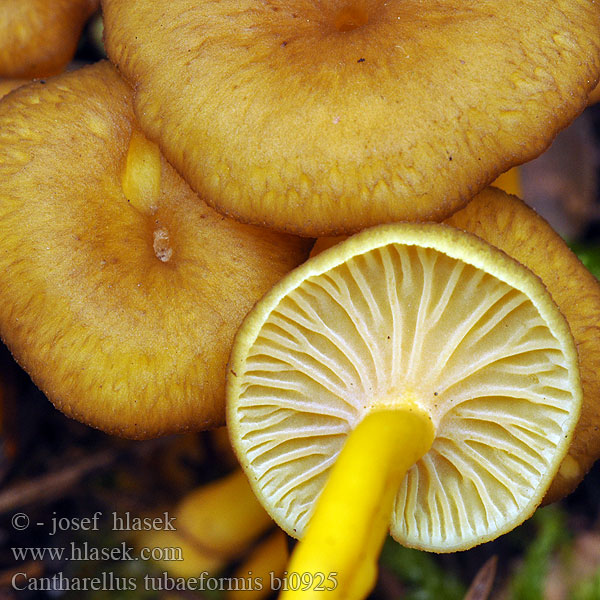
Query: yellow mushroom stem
[344,537]
[141,175]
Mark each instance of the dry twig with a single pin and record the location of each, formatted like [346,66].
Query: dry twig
[481,586]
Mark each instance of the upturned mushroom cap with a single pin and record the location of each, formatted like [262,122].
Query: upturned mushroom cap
[509,224]
[121,290]
[37,37]
[323,118]
[421,318]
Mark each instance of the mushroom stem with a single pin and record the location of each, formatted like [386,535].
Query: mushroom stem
[340,548]
[141,176]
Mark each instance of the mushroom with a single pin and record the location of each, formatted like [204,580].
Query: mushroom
[323,118]
[262,570]
[412,371]
[509,224]
[213,525]
[39,37]
[121,290]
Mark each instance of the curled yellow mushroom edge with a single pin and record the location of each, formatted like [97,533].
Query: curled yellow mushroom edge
[412,377]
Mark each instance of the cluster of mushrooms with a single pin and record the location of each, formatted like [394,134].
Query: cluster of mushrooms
[436,374]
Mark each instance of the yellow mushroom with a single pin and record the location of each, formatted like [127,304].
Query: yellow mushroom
[213,525]
[262,571]
[509,224]
[412,377]
[322,118]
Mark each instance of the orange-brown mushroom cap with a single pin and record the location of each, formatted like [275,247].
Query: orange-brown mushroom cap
[37,37]
[322,118]
[121,307]
[507,223]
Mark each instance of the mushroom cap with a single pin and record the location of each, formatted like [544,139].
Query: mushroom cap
[121,308]
[39,37]
[323,118]
[509,224]
[408,314]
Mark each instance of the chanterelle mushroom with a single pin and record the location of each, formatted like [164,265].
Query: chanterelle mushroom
[411,368]
[509,224]
[39,37]
[215,523]
[121,290]
[326,117]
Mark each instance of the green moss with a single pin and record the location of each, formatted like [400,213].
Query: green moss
[588,589]
[551,534]
[421,573]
